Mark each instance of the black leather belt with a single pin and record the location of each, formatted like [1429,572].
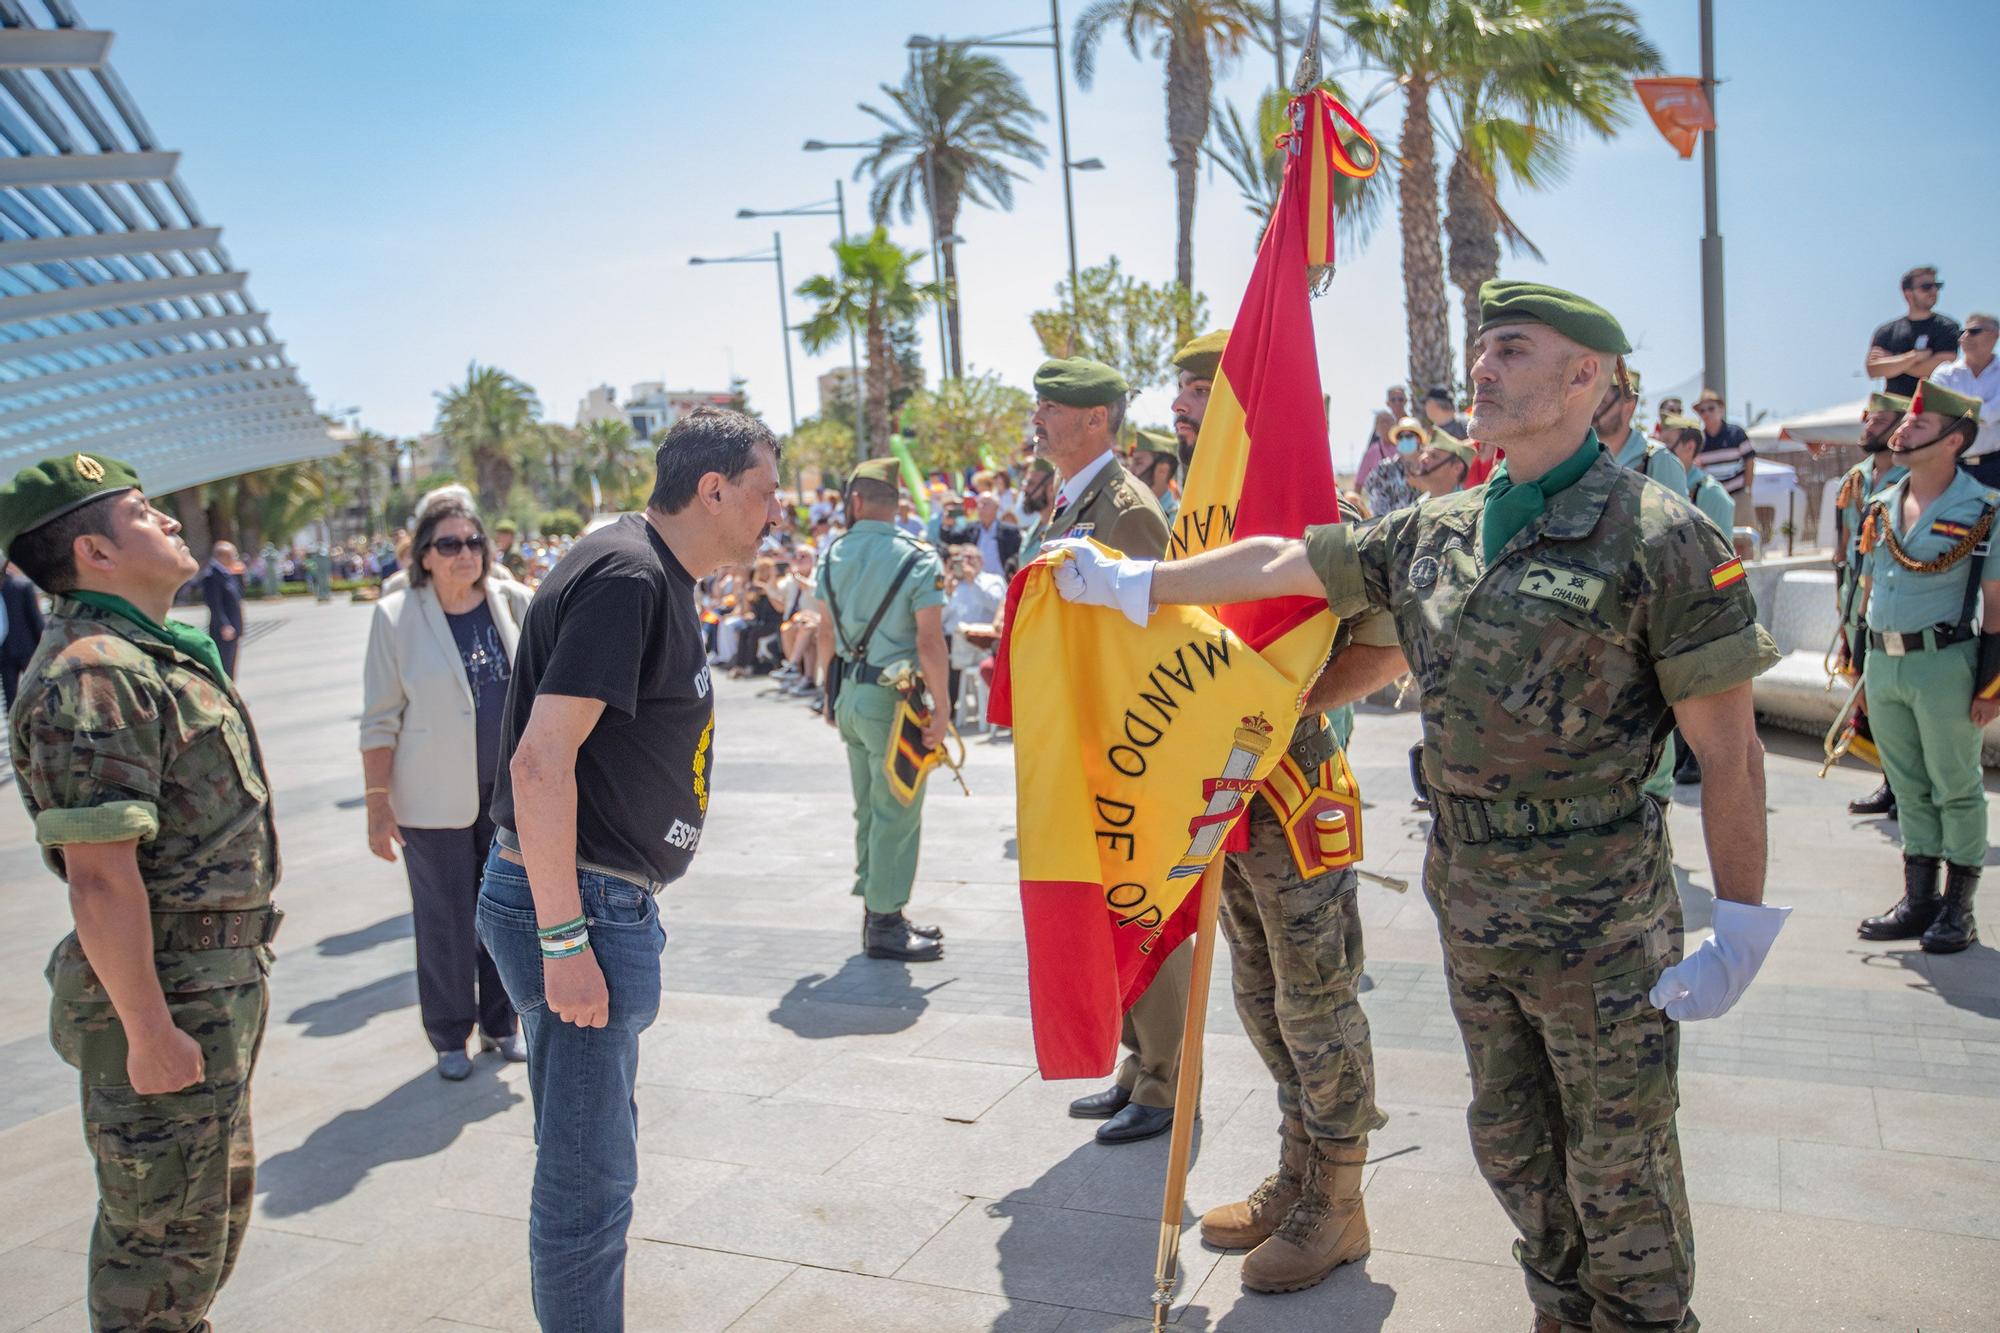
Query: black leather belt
[175,932]
[1472,820]
[1919,641]
[863,673]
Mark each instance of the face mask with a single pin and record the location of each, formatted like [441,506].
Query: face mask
[1406,445]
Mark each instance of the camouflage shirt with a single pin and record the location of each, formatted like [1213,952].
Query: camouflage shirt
[1550,674]
[116,734]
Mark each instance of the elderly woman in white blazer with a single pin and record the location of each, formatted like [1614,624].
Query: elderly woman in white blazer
[440,655]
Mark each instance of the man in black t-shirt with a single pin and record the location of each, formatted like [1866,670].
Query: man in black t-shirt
[1909,348]
[602,788]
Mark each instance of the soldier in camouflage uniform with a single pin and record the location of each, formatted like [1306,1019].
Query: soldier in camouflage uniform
[136,761]
[1554,622]
[1295,960]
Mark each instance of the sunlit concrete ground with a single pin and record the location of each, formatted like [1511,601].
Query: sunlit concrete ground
[833,1143]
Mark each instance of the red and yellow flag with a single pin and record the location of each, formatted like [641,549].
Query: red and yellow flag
[1141,748]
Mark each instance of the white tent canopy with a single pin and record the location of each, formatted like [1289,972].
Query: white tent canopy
[1839,424]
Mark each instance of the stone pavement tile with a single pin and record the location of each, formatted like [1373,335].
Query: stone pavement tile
[1846,1270]
[807,1024]
[1783,1107]
[1931,1193]
[1229,1156]
[1932,1122]
[1442,1216]
[751,1131]
[493,1174]
[1386,1290]
[1033,1162]
[35,1199]
[985,1039]
[1730,1166]
[1407,1076]
[1422,1138]
[72,1318]
[36,1285]
[271,1262]
[951,1088]
[668,1289]
[828,1302]
[715,1061]
[1053,1256]
[824,1221]
[1727,1312]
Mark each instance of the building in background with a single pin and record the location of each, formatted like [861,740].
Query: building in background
[651,407]
[837,390]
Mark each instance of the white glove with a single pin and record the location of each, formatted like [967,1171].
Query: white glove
[1084,573]
[1709,981]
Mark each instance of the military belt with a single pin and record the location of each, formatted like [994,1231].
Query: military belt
[1919,641]
[176,932]
[1312,748]
[863,673]
[1472,820]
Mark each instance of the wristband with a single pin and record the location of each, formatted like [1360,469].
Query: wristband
[569,927]
[376,791]
[566,948]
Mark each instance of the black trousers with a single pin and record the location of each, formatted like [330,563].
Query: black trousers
[227,647]
[457,985]
[10,681]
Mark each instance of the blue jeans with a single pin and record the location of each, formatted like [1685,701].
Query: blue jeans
[586,1122]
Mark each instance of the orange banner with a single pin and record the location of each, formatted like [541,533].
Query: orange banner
[1679,108]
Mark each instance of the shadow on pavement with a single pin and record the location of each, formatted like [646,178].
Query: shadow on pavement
[418,1119]
[355,941]
[867,996]
[1968,980]
[350,1009]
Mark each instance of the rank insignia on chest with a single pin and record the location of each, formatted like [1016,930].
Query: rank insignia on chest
[1080,530]
[1727,574]
[1568,586]
[1951,531]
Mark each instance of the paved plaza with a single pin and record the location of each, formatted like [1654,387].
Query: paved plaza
[833,1143]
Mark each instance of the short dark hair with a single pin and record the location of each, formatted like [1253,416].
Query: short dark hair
[427,526]
[872,492]
[1910,278]
[1967,430]
[1439,394]
[1691,434]
[47,555]
[708,439]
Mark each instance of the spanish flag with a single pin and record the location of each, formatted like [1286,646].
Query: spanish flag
[1138,750]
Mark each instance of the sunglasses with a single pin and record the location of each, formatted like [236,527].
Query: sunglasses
[1929,286]
[1974,331]
[454,545]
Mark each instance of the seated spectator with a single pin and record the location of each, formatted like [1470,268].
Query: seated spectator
[974,597]
[998,542]
[1442,466]
[1388,486]
[759,614]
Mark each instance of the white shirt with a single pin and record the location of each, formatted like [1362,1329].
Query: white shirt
[973,602]
[1009,501]
[1073,487]
[1983,385]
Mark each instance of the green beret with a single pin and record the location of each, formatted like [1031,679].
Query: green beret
[1502,302]
[1158,442]
[1953,407]
[1040,464]
[1202,357]
[887,471]
[1887,402]
[1079,382]
[51,488]
[1462,450]
[506,525]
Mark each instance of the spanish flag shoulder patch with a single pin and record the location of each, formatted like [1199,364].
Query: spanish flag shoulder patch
[1955,531]
[1727,573]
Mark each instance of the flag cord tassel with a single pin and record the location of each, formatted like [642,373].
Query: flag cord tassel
[1187,1097]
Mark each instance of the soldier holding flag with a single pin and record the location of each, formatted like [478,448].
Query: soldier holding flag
[1554,617]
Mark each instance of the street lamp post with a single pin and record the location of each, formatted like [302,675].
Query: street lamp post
[1715,370]
[1053,45]
[839,212]
[777,257]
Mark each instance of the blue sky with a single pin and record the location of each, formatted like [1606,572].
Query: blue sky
[413,185]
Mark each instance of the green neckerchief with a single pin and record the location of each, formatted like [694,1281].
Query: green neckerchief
[1511,505]
[187,638]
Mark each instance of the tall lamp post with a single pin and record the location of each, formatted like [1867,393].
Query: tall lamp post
[838,211]
[930,211]
[1715,371]
[777,256]
[1054,45]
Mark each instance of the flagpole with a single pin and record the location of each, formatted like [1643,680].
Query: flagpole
[1187,1097]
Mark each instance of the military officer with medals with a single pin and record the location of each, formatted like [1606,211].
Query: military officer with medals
[1295,961]
[136,760]
[1930,663]
[882,597]
[1877,471]
[1554,617]
[1079,407]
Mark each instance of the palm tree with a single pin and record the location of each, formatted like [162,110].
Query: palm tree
[610,456]
[869,289]
[1255,163]
[486,420]
[1197,38]
[1510,120]
[954,124]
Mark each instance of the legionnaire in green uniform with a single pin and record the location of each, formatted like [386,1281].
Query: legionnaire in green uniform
[1555,616]
[507,541]
[136,760]
[883,591]
[1079,407]
[1295,960]
[1873,474]
[1683,435]
[1156,459]
[1627,444]
[1930,673]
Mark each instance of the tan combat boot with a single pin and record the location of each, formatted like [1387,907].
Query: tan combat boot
[1238,1226]
[1326,1228]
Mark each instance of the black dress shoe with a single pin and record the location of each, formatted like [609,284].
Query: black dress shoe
[1100,1105]
[1881,801]
[1136,1123]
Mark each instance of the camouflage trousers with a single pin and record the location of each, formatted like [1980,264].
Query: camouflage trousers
[175,1172]
[1572,1121]
[1295,964]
